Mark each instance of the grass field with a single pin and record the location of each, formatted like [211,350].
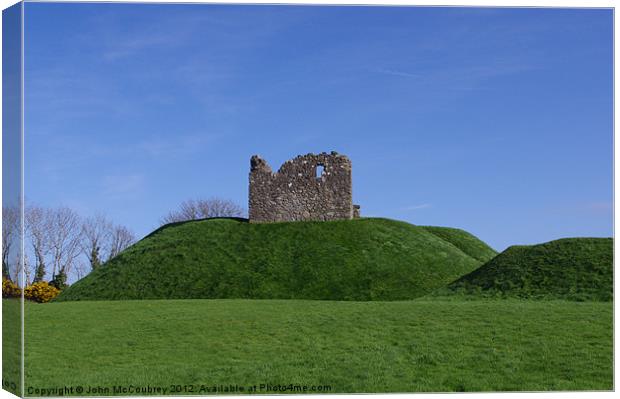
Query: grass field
[412,346]
[11,344]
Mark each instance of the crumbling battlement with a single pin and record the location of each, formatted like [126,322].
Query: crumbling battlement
[308,187]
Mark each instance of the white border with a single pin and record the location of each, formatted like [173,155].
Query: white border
[480,3]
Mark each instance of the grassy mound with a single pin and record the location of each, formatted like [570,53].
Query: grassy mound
[362,259]
[570,268]
[464,241]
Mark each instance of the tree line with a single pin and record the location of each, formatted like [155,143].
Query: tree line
[58,244]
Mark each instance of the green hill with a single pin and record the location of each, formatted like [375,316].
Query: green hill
[464,241]
[361,259]
[570,268]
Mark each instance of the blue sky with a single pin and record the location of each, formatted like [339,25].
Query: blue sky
[497,121]
[11,104]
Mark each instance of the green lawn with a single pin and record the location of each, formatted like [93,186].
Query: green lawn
[11,344]
[409,346]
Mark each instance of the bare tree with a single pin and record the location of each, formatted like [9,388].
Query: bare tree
[64,239]
[10,232]
[16,271]
[203,208]
[37,224]
[58,237]
[27,270]
[81,269]
[217,207]
[96,236]
[121,238]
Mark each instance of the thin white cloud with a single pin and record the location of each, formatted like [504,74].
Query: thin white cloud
[399,73]
[176,146]
[462,78]
[416,207]
[125,48]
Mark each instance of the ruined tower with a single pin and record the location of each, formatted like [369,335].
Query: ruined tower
[308,187]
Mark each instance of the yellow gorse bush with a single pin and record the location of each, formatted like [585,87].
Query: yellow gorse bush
[41,292]
[10,289]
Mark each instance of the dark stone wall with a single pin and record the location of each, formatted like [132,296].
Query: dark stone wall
[295,192]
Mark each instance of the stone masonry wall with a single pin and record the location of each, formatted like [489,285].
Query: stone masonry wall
[295,192]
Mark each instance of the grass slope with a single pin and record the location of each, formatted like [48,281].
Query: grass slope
[409,346]
[464,241]
[570,268]
[362,259]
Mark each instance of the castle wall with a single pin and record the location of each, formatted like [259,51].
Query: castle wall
[295,192]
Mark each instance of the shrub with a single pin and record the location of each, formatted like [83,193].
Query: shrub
[59,281]
[10,289]
[41,292]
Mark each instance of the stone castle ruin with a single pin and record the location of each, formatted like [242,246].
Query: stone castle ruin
[308,187]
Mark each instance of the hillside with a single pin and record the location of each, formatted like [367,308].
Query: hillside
[361,259]
[464,241]
[570,268]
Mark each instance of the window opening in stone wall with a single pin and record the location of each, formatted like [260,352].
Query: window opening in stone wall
[319,171]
